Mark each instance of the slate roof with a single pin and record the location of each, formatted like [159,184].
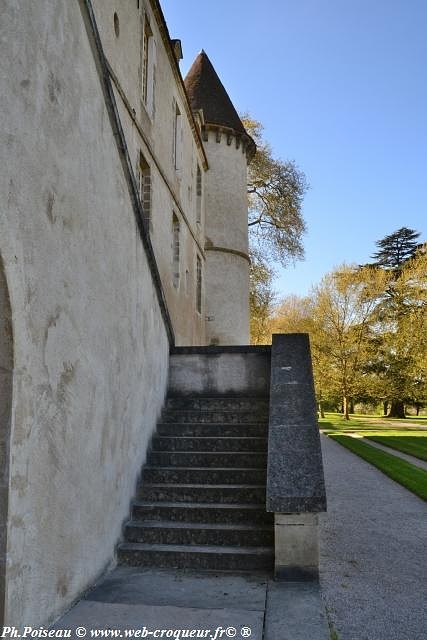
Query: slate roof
[206,91]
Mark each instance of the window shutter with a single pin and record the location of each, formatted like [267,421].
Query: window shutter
[180,142]
[153,102]
[174,132]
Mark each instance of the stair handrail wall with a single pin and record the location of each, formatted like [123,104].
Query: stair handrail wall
[295,480]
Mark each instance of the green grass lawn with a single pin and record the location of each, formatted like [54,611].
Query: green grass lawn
[420,420]
[408,439]
[413,445]
[335,422]
[403,472]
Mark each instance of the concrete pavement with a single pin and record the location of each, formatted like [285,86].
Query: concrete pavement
[214,605]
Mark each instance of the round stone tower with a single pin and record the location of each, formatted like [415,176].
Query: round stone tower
[229,149]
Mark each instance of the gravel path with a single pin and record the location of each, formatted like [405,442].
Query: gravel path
[373,552]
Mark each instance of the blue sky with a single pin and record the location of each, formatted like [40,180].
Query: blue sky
[341,88]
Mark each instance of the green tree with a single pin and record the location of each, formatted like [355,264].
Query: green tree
[295,314]
[261,298]
[276,190]
[398,340]
[396,248]
[343,305]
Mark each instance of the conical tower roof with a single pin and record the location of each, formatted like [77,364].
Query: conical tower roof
[206,91]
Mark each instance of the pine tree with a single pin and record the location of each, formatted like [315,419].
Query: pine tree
[396,248]
[399,256]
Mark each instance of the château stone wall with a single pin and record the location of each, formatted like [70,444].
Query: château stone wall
[90,346]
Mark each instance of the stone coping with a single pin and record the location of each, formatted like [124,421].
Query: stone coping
[219,349]
[295,481]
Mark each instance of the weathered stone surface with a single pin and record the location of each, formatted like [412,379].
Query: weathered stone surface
[220,371]
[196,512]
[225,493]
[216,558]
[203,443]
[295,480]
[185,516]
[296,546]
[207,459]
[136,585]
[211,534]
[224,403]
[175,599]
[253,430]
[201,475]
[90,347]
[295,612]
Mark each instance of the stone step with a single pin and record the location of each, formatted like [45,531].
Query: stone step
[226,417]
[191,533]
[206,459]
[212,430]
[203,475]
[205,443]
[218,403]
[225,493]
[219,558]
[203,513]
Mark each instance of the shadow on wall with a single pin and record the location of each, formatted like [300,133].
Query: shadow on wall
[6,378]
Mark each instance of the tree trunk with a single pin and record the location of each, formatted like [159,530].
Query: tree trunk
[385,405]
[322,413]
[345,411]
[397,409]
[418,409]
[351,405]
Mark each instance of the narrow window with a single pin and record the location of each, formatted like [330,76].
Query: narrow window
[145,186]
[187,281]
[175,251]
[116,25]
[177,138]
[199,285]
[148,67]
[198,195]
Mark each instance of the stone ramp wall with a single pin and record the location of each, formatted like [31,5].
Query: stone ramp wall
[218,370]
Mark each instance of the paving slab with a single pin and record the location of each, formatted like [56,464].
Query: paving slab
[294,611]
[373,567]
[131,598]
[133,585]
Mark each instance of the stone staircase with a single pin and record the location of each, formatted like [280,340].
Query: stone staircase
[201,501]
